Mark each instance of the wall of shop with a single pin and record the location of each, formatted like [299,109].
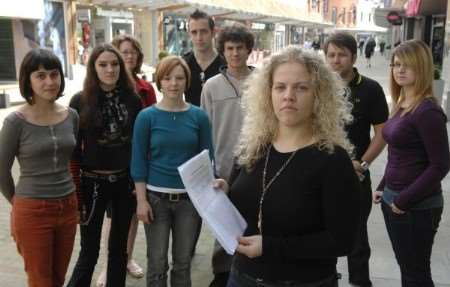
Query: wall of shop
[47,32]
[144,31]
[7,55]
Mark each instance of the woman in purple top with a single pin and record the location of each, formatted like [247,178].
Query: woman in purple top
[418,160]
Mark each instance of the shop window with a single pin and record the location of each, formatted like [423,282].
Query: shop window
[7,66]
[325,7]
[334,15]
[343,16]
[176,38]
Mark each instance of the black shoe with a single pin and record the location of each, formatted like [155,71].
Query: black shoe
[220,280]
[359,284]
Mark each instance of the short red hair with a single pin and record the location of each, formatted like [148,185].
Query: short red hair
[167,64]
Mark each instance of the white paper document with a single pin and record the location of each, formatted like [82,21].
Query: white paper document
[213,205]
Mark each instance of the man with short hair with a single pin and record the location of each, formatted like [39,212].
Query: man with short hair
[203,60]
[221,99]
[369,109]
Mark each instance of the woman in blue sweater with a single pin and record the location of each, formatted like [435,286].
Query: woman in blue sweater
[166,135]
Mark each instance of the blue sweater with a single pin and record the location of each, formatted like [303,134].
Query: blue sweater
[164,140]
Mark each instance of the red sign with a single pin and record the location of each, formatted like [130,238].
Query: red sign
[394,18]
[412,7]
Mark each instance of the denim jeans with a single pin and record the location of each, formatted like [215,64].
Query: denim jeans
[238,279]
[358,259]
[44,231]
[123,203]
[412,235]
[180,218]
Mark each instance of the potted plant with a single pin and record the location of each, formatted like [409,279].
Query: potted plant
[162,54]
[438,84]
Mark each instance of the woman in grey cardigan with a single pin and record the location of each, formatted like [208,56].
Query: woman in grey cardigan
[41,135]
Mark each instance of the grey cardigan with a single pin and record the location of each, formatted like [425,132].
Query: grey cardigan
[221,99]
[43,153]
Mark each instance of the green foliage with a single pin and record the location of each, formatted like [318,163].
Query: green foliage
[437,72]
[163,54]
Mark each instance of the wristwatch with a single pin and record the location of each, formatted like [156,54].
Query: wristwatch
[365,165]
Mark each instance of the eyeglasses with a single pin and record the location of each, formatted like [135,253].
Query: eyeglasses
[128,52]
[398,66]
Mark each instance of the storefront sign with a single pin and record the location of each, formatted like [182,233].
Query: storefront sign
[84,15]
[394,18]
[258,26]
[114,13]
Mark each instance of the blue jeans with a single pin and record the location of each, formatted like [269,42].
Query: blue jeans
[123,203]
[239,279]
[412,235]
[180,218]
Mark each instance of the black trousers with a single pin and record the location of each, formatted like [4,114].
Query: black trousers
[358,259]
[412,236]
[119,195]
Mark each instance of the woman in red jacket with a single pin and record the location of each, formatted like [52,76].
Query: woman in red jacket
[131,52]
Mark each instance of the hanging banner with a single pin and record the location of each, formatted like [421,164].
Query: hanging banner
[412,8]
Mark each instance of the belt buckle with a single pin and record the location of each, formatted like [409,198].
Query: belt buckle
[112,178]
[174,197]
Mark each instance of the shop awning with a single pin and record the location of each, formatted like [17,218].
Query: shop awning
[421,7]
[255,11]
[23,9]
[365,28]
[412,8]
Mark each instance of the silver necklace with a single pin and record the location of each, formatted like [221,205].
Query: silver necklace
[265,187]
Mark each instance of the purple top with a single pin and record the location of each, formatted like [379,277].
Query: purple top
[418,154]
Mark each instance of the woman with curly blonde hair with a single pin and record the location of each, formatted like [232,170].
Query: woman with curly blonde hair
[331,111]
[303,214]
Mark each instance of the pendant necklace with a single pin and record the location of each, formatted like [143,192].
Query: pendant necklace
[265,187]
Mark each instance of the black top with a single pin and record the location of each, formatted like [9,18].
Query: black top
[369,108]
[310,214]
[106,143]
[199,77]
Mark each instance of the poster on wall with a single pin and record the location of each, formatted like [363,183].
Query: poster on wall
[50,30]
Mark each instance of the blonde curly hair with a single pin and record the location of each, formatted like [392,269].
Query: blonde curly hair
[332,110]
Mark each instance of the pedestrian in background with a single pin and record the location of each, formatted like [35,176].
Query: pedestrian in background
[369,110]
[316,44]
[382,45]
[369,50]
[361,47]
[41,134]
[418,159]
[131,51]
[165,136]
[296,187]
[221,99]
[107,106]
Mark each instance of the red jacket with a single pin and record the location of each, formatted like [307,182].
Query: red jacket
[146,92]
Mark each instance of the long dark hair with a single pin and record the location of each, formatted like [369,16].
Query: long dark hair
[91,87]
